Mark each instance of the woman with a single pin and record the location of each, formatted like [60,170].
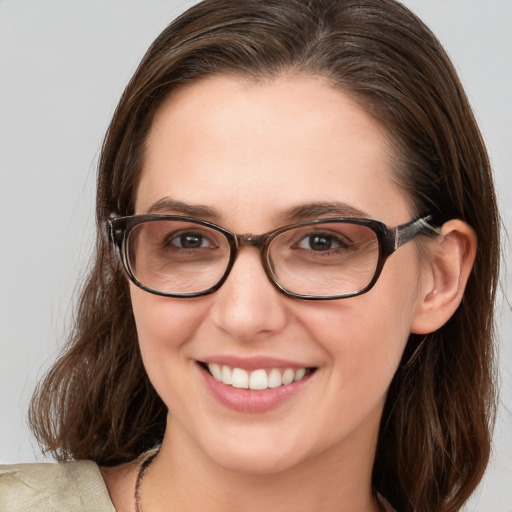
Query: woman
[338,360]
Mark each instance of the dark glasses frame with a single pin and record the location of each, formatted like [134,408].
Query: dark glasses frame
[389,240]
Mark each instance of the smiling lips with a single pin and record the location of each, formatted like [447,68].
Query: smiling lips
[256,380]
[254,385]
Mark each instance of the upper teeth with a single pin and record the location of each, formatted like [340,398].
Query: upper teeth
[257,379]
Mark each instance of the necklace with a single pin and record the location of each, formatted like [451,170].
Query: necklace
[150,457]
[143,467]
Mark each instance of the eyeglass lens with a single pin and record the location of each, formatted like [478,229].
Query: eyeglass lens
[181,257]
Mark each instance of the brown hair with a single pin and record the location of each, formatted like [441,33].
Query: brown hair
[97,403]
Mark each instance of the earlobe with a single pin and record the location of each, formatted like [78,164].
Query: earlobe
[450,258]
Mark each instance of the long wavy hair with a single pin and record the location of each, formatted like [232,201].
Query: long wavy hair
[97,403]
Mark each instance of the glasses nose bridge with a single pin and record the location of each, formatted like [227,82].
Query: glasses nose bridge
[259,242]
[250,239]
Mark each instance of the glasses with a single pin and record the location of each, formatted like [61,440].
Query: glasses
[321,259]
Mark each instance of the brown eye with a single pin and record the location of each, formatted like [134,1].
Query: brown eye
[321,242]
[188,240]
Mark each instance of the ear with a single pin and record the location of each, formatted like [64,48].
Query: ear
[445,272]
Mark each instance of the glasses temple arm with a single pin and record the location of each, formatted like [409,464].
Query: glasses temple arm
[406,232]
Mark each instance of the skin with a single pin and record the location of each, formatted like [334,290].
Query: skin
[250,152]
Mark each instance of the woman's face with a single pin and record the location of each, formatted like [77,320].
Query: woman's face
[246,156]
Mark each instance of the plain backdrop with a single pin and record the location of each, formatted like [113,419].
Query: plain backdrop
[63,66]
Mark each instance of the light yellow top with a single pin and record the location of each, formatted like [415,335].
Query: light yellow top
[65,487]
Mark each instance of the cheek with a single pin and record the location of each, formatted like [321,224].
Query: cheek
[365,336]
[366,341]
[163,320]
[165,327]
[390,316]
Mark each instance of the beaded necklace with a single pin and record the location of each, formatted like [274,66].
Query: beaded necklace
[140,477]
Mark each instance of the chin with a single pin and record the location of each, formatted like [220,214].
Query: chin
[256,463]
[253,456]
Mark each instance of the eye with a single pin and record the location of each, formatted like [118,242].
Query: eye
[189,240]
[320,242]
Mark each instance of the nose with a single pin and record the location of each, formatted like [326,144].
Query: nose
[248,306]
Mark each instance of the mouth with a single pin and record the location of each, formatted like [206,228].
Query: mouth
[258,379]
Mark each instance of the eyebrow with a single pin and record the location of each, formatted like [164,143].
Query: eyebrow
[295,213]
[314,210]
[167,205]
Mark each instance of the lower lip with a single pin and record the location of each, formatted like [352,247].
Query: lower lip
[247,401]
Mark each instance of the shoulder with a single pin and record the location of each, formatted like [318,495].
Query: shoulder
[64,487]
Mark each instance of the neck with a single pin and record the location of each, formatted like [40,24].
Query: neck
[182,478]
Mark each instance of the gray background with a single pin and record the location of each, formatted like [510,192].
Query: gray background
[63,66]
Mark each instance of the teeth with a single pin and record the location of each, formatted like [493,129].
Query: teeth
[216,372]
[257,379]
[226,375]
[274,378]
[240,378]
[299,374]
[288,376]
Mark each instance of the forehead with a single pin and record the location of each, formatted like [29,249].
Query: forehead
[241,147]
